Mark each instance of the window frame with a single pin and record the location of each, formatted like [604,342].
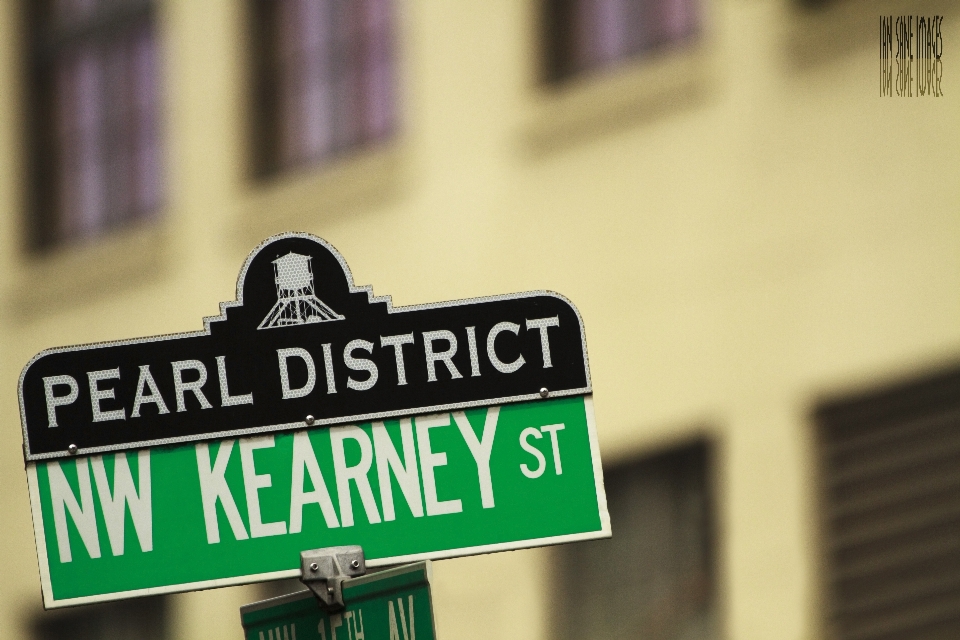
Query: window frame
[355,180]
[585,106]
[702,444]
[899,409]
[103,618]
[74,273]
[264,166]
[558,37]
[42,43]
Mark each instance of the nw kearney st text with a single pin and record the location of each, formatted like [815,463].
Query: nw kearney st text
[366,463]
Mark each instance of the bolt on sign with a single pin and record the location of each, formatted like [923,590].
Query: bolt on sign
[393,604]
[309,413]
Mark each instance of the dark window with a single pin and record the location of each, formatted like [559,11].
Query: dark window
[324,79]
[139,619]
[654,577]
[94,115]
[891,511]
[589,35]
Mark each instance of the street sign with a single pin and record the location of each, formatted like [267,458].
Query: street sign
[177,463]
[393,605]
[301,340]
[202,515]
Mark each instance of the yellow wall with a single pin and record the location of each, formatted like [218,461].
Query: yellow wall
[739,243]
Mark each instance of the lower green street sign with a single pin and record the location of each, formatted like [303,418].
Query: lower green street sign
[199,515]
[393,605]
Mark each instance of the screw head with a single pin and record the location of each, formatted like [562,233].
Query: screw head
[314,566]
[72,449]
[310,420]
[544,392]
[355,564]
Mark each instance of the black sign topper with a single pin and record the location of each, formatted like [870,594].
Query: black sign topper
[301,346]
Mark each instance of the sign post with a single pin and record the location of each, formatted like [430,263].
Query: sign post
[309,414]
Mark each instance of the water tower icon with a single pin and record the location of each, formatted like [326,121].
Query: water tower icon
[297,301]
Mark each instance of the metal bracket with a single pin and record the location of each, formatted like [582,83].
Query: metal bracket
[323,571]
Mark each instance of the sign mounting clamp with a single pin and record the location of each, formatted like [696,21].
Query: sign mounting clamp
[324,570]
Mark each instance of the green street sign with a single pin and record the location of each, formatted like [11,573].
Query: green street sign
[309,414]
[197,515]
[392,605]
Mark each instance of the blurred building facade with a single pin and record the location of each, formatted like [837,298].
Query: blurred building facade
[766,254]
